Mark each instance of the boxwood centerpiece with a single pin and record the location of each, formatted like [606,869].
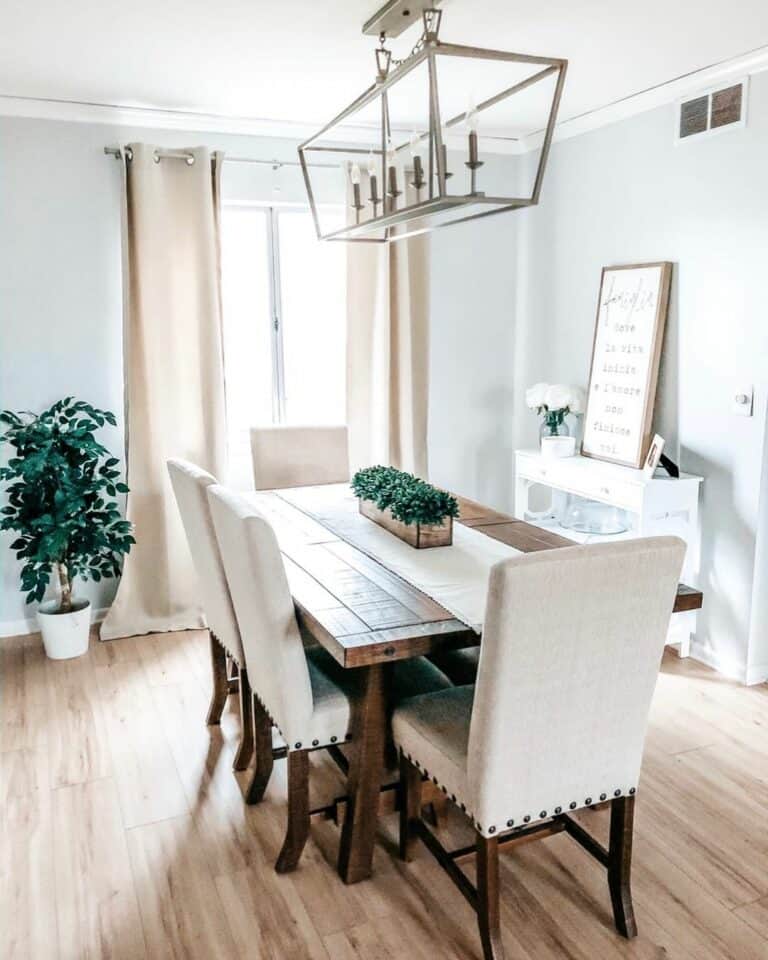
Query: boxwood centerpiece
[412,509]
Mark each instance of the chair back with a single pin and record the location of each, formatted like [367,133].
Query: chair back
[257,581]
[189,484]
[571,648]
[299,456]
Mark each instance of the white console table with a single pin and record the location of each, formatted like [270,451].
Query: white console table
[656,506]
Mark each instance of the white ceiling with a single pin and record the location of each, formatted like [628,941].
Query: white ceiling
[303,60]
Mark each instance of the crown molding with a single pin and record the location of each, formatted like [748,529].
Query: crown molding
[755,61]
[152,117]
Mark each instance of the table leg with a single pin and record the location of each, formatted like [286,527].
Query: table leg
[358,834]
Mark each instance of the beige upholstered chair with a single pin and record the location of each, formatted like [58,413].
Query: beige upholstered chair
[460,665]
[305,693]
[189,486]
[298,456]
[556,722]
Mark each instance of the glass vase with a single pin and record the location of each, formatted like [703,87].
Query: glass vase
[554,427]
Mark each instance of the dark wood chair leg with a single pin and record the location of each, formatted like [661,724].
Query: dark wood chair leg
[488,913]
[298,811]
[620,865]
[410,805]
[264,759]
[232,675]
[220,682]
[245,750]
[437,812]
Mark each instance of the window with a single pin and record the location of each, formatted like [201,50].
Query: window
[284,306]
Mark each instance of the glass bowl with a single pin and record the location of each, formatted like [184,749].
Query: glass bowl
[591,516]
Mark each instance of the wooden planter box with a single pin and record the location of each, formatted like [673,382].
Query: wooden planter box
[419,535]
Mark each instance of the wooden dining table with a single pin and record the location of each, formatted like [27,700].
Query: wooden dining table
[367,617]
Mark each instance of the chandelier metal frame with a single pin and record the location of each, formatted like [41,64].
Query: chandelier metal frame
[414,218]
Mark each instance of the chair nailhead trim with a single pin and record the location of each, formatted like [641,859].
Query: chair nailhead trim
[632,791]
[491,829]
[603,796]
[334,739]
[510,823]
[572,805]
[526,818]
[588,801]
[617,793]
[297,746]
[543,814]
[558,809]
[315,743]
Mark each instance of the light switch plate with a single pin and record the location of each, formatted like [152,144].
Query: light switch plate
[742,401]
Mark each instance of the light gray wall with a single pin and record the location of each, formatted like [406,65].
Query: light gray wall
[60,272]
[61,298]
[472,293]
[625,194]
[513,301]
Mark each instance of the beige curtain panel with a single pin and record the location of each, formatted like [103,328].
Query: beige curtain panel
[174,376]
[388,352]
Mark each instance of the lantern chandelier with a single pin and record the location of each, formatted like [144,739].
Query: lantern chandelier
[396,147]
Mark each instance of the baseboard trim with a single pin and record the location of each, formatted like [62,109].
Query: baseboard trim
[757,674]
[19,628]
[735,670]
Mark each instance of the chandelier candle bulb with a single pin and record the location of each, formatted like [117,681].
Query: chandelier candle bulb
[418,173]
[393,191]
[374,186]
[418,169]
[444,152]
[354,176]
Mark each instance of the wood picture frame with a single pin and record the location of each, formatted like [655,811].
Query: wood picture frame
[622,392]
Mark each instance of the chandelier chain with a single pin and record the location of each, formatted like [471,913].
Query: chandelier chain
[417,48]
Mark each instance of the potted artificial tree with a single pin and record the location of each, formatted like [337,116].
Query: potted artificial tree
[59,484]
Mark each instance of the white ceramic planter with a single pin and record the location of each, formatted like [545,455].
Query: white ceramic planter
[555,448]
[65,635]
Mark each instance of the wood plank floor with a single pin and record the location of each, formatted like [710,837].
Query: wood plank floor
[123,834]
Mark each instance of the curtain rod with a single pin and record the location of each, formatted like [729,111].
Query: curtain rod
[117,153]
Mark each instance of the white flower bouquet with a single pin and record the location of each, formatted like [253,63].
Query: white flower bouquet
[553,402]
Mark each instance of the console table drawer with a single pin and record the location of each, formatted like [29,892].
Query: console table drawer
[592,485]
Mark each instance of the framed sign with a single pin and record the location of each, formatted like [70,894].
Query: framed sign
[631,314]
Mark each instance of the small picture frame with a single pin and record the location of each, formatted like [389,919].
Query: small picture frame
[653,456]
[629,332]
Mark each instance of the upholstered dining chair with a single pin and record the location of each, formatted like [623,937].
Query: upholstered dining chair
[299,456]
[303,692]
[557,719]
[189,486]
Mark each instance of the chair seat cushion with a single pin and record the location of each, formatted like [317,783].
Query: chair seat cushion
[333,688]
[460,666]
[433,731]
[331,694]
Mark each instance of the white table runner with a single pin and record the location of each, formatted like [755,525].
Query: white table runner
[456,576]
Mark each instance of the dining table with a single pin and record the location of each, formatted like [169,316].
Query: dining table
[371,601]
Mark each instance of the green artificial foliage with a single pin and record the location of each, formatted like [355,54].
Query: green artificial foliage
[59,485]
[409,499]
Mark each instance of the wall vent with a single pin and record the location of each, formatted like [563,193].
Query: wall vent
[712,111]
